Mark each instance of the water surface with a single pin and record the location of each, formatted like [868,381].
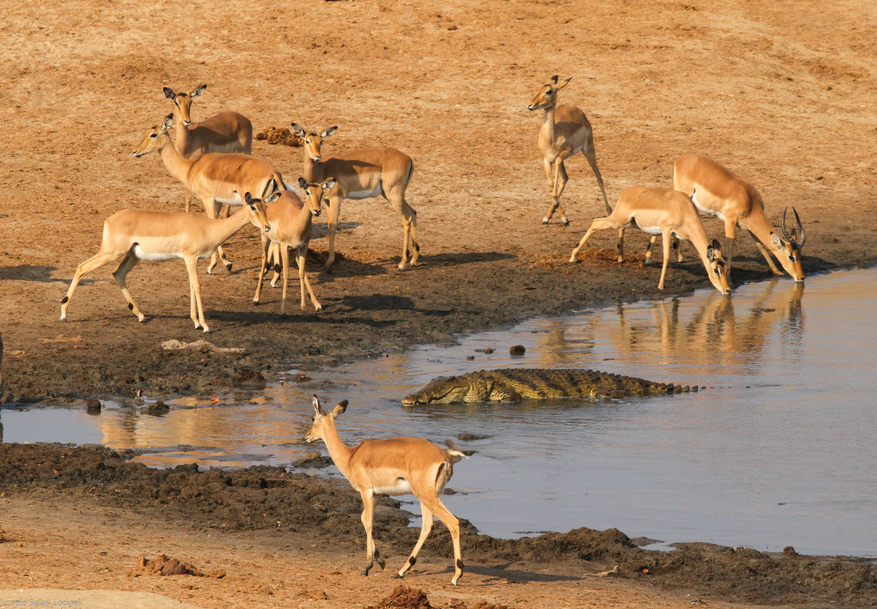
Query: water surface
[778,450]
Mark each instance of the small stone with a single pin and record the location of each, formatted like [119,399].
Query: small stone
[517,350]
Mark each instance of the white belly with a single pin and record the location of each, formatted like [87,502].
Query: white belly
[363,194]
[153,257]
[651,230]
[400,488]
[234,200]
[706,210]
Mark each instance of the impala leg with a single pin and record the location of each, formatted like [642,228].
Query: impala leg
[95,262]
[195,293]
[128,262]
[665,238]
[730,227]
[425,530]
[649,249]
[412,222]
[368,516]
[453,525]
[284,257]
[302,256]
[188,200]
[560,180]
[396,196]
[620,246]
[334,214]
[274,262]
[211,207]
[266,245]
[598,224]
[677,247]
[766,254]
[591,155]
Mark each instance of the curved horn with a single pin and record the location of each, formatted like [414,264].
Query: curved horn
[783,225]
[801,234]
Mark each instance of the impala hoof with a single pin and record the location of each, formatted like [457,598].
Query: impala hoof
[228,266]
[544,220]
[565,221]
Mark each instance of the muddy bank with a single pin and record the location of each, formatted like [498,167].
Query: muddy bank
[114,356]
[289,504]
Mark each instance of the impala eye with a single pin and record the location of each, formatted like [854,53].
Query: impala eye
[153,135]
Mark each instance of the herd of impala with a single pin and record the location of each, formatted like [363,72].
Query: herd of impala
[213,161]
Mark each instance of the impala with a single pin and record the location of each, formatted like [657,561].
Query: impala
[661,211]
[158,236]
[215,178]
[565,131]
[291,226]
[718,192]
[398,466]
[223,132]
[362,174]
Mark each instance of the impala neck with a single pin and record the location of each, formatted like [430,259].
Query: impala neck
[225,228]
[548,120]
[338,450]
[181,133]
[176,165]
[313,169]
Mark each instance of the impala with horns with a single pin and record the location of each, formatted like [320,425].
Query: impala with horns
[716,191]
[362,174]
[398,466]
[215,178]
[665,212]
[291,227]
[159,236]
[565,131]
[223,132]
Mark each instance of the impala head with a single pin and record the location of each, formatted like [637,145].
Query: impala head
[789,250]
[156,139]
[258,214]
[312,141]
[323,419]
[314,194]
[443,390]
[546,97]
[183,102]
[718,269]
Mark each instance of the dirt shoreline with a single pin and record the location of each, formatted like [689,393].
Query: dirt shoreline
[290,507]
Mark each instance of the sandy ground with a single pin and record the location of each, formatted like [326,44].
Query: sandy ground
[782,93]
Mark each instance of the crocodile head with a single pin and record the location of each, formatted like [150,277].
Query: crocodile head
[443,390]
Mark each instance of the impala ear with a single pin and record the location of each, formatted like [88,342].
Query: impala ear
[298,131]
[329,132]
[328,184]
[198,91]
[775,239]
[169,93]
[553,79]
[564,83]
[248,198]
[339,409]
[272,197]
[317,408]
[168,121]
[302,183]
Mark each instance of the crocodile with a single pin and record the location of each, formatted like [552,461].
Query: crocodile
[515,384]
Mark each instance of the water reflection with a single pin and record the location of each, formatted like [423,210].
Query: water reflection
[712,329]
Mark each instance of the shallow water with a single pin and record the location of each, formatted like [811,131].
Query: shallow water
[778,450]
